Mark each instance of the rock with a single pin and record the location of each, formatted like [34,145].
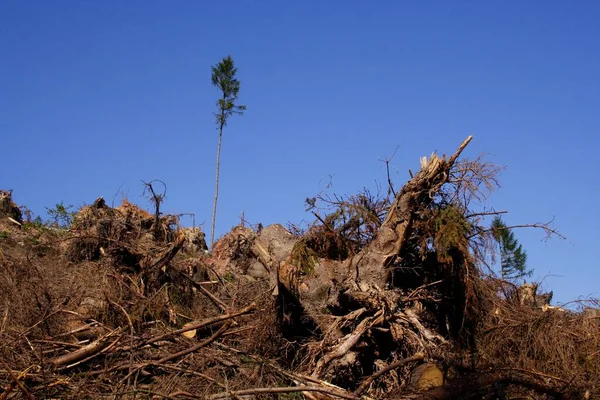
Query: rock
[258,270]
[278,241]
[426,376]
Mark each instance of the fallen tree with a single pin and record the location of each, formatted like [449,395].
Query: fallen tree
[363,302]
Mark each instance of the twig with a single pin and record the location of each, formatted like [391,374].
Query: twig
[216,301]
[131,336]
[200,325]
[150,392]
[104,350]
[2,258]
[17,381]
[194,373]
[291,389]
[293,376]
[540,225]
[387,161]
[479,214]
[198,346]
[422,287]
[157,199]
[185,394]
[530,372]
[26,331]
[367,382]
[62,344]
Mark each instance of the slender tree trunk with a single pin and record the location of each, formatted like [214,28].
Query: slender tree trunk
[214,213]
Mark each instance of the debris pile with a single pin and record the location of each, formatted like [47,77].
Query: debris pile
[381,298]
[8,208]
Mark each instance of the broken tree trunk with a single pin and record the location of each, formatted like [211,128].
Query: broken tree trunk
[369,269]
[364,282]
[356,318]
[370,265]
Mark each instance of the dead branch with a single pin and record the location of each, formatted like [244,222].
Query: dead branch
[86,351]
[293,376]
[168,255]
[367,382]
[200,325]
[194,373]
[198,285]
[481,214]
[350,340]
[131,336]
[157,199]
[427,334]
[192,349]
[545,226]
[387,161]
[16,380]
[292,389]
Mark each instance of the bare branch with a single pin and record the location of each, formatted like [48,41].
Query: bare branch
[291,389]
[367,382]
[545,226]
[157,199]
[387,161]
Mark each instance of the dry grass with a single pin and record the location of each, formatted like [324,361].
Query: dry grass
[558,346]
[96,276]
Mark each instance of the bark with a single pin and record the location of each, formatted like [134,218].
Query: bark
[371,264]
[214,211]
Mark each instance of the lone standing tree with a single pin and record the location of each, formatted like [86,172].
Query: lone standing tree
[223,77]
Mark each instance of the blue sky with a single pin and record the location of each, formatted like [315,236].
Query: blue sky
[98,95]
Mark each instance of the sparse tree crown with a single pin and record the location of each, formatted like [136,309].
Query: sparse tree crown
[223,77]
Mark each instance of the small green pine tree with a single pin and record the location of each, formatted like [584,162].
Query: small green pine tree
[513,259]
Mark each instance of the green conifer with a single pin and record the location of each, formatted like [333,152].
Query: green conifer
[513,259]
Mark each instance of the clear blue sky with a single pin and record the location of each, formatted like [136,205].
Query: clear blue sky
[97,95]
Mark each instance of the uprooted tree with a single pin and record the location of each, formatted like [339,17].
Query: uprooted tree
[380,298]
[367,292]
